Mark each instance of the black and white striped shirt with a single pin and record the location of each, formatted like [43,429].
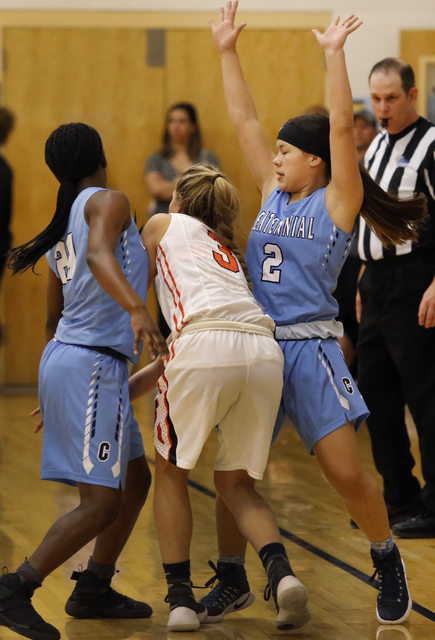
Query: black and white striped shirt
[402,164]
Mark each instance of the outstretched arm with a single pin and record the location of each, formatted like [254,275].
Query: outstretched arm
[240,104]
[146,379]
[345,193]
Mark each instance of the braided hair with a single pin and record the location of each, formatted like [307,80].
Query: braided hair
[207,195]
[72,152]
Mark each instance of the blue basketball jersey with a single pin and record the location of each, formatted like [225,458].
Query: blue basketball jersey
[295,253]
[90,315]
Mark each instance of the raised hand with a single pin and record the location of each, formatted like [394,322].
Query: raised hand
[337,32]
[225,34]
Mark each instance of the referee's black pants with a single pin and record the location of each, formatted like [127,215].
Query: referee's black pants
[397,368]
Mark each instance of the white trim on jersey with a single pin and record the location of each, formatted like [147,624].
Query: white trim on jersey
[87,463]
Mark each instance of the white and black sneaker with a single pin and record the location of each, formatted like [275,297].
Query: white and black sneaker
[185,614]
[231,594]
[394,602]
[290,595]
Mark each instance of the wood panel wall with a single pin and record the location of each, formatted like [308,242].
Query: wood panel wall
[414,47]
[100,76]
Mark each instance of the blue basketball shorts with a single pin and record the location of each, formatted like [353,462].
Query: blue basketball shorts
[319,394]
[90,432]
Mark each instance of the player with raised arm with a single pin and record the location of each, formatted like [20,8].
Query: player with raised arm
[312,191]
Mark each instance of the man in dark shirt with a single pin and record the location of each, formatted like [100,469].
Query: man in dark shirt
[397,293]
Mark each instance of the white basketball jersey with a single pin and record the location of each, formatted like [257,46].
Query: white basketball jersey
[198,277]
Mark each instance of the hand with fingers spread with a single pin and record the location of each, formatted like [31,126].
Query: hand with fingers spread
[337,32]
[147,330]
[225,34]
[40,424]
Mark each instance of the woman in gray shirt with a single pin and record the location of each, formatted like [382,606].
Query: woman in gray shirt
[181,147]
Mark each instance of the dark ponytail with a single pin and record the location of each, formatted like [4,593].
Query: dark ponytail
[393,220]
[72,152]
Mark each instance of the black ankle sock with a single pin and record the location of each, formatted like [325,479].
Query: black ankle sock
[27,572]
[177,571]
[272,549]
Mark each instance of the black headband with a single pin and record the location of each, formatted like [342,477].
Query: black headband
[304,141]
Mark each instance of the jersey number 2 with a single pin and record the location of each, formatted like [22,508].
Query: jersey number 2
[271,273]
[66,259]
[224,257]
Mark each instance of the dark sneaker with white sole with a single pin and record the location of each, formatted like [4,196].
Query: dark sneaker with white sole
[17,612]
[290,595]
[231,594]
[394,602]
[93,597]
[185,614]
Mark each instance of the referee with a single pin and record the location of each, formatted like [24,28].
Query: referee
[397,305]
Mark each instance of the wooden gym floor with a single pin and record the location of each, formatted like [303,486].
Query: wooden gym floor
[330,558]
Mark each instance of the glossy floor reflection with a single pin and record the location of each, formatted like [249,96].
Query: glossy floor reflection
[343,606]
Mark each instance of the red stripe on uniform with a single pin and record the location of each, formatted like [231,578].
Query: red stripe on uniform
[179,304]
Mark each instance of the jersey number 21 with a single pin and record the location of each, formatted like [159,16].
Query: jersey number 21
[66,259]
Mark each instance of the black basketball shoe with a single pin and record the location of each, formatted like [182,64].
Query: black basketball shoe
[289,593]
[185,614]
[17,612]
[93,597]
[394,602]
[232,592]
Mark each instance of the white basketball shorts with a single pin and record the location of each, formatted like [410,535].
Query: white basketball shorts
[225,379]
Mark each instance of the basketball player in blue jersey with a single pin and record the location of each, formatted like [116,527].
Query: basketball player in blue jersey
[312,191]
[97,318]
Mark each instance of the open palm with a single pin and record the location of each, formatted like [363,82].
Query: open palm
[225,34]
[337,32]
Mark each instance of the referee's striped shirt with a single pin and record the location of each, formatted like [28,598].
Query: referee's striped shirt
[403,164]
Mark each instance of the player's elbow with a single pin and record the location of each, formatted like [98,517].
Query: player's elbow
[94,260]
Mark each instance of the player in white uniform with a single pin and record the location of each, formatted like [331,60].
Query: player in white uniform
[224,369]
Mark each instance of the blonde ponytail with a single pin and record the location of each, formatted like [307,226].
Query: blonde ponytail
[208,196]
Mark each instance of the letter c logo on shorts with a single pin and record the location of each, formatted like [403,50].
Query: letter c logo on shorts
[104,451]
[347,385]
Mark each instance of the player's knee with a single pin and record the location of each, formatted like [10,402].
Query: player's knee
[348,481]
[108,512]
[231,484]
[103,508]
[138,482]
